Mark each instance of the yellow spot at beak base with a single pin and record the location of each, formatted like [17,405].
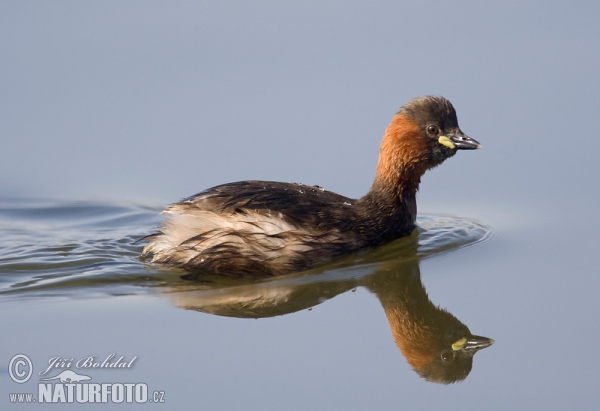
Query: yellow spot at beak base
[445,141]
[459,344]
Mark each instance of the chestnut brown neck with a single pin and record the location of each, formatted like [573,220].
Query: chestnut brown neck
[392,197]
[412,316]
[401,157]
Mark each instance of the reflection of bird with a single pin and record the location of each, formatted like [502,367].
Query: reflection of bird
[259,228]
[435,343]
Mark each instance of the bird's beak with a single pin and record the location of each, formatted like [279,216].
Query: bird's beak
[458,141]
[472,344]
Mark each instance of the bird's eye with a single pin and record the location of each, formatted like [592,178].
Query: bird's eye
[447,356]
[432,129]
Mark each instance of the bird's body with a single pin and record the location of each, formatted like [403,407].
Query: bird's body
[262,228]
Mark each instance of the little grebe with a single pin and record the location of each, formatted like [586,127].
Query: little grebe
[263,228]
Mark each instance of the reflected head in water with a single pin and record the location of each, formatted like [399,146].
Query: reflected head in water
[436,344]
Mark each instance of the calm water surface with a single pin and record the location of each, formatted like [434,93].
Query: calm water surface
[73,290]
[69,270]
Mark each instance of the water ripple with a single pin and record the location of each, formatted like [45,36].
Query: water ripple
[82,249]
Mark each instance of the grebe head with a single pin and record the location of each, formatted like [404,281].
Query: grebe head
[422,134]
[436,118]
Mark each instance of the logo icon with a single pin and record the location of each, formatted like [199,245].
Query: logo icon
[20,368]
[68,386]
[68,376]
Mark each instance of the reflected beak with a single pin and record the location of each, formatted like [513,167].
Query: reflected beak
[476,343]
[458,142]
